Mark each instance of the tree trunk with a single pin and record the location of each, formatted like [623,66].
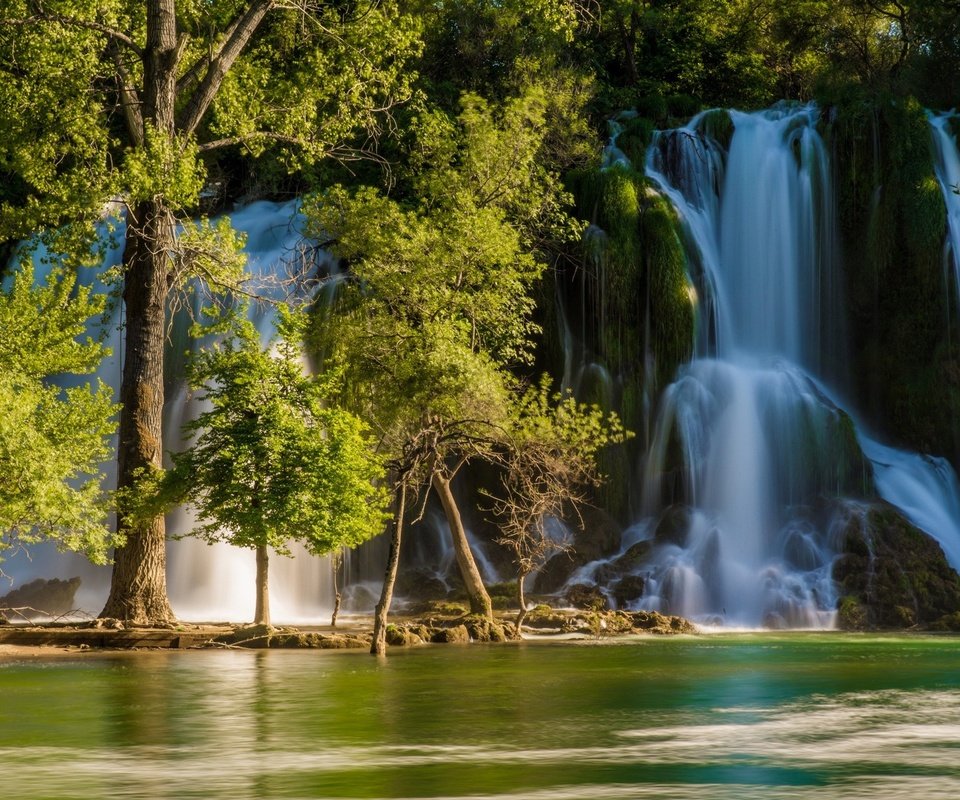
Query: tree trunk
[261,616]
[138,589]
[379,645]
[473,583]
[337,558]
[522,613]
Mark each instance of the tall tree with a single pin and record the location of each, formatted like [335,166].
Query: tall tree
[129,97]
[438,303]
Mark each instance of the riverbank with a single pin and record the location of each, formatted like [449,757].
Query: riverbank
[351,633]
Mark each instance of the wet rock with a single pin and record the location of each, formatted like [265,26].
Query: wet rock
[456,634]
[896,574]
[442,608]
[401,636]
[628,589]
[598,538]
[43,598]
[557,571]
[673,527]
[420,584]
[543,616]
[582,595]
[654,622]
[482,629]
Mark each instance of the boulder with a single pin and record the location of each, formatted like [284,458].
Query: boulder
[43,598]
[891,574]
[402,636]
[457,634]
[582,595]
[628,589]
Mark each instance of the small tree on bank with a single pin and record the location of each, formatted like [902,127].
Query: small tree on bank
[437,306]
[549,467]
[272,462]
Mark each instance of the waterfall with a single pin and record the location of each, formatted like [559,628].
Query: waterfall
[206,582]
[757,439]
[947,167]
[751,446]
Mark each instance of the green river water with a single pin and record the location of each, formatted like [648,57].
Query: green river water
[717,716]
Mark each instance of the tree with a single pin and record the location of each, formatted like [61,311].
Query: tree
[52,440]
[548,467]
[437,305]
[273,462]
[130,98]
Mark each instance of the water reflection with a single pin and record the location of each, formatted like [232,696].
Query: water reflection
[718,717]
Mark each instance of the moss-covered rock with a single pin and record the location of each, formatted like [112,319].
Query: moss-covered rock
[456,634]
[588,596]
[890,573]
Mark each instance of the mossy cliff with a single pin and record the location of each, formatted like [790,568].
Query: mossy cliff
[627,303]
[905,370]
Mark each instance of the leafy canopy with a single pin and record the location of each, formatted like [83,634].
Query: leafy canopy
[437,303]
[272,461]
[52,440]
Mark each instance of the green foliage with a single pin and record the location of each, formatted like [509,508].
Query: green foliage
[438,299]
[312,81]
[273,462]
[53,149]
[549,460]
[164,170]
[52,440]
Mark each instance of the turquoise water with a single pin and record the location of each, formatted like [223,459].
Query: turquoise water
[722,716]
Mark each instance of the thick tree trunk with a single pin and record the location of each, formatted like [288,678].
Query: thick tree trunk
[473,583]
[379,645]
[138,590]
[261,616]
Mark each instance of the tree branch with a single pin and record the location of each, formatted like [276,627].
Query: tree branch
[232,45]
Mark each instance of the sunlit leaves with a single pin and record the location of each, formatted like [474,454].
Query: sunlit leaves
[52,441]
[273,462]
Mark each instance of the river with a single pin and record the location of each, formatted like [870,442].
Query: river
[717,716]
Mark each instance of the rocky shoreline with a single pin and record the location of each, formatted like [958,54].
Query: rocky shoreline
[354,634]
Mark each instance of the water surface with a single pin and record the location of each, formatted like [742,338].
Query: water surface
[720,716]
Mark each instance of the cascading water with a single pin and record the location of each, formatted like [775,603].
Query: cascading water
[756,438]
[749,444]
[947,164]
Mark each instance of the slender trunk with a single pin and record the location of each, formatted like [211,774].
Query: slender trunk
[337,563]
[522,613]
[473,583]
[261,616]
[138,590]
[379,645]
